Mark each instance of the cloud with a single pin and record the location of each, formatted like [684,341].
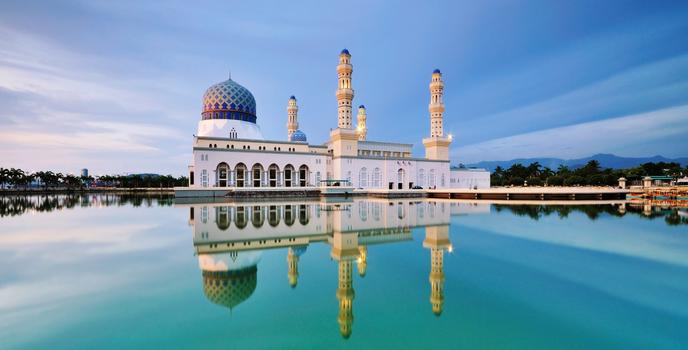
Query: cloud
[583,139]
[60,108]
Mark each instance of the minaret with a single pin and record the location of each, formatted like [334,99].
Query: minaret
[292,115]
[437,145]
[361,128]
[436,106]
[345,295]
[293,262]
[437,240]
[345,94]
[343,139]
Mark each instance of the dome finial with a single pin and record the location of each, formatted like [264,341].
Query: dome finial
[229,74]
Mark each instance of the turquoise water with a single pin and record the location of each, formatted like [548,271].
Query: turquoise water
[106,272]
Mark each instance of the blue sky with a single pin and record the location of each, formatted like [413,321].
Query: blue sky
[116,86]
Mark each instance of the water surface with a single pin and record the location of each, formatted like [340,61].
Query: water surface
[112,272]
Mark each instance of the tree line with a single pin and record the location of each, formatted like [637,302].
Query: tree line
[591,174]
[20,179]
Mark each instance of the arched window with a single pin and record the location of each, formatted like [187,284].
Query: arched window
[288,175]
[376,177]
[257,175]
[442,180]
[240,171]
[348,178]
[431,179]
[222,173]
[273,175]
[421,177]
[303,176]
[317,178]
[363,177]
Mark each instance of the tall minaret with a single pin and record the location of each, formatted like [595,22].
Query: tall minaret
[345,94]
[292,115]
[436,106]
[361,128]
[437,145]
[293,271]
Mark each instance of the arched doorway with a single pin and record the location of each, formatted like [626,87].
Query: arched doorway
[240,171]
[222,173]
[303,176]
[273,175]
[288,175]
[257,175]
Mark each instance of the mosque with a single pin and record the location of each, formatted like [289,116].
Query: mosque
[230,152]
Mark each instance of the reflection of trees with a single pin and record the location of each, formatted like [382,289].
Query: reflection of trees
[593,212]
[18,205]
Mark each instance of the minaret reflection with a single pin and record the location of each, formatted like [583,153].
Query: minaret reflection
[437,240]
[362,260]
[345,251]
[293,262]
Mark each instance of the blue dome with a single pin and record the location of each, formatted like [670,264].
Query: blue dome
[361,106]
[229,100]
[345,51]
[298,136]
[437,70]
[292,97]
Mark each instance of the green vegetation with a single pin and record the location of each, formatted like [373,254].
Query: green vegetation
[591,174]
[20,179]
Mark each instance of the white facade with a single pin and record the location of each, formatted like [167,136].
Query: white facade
[229,149]
[469,178]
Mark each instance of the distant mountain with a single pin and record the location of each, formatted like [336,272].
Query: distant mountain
[606,161]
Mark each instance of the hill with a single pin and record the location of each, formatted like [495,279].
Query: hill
[606,161]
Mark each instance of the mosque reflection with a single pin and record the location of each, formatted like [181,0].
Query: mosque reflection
[230,237]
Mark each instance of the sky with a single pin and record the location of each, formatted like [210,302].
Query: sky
[116,86]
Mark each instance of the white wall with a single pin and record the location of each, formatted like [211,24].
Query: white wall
[470,178]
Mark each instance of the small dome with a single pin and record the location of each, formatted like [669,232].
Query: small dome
[292,97]
[229,100]
[361,106]
[298,136]
[345,52]
[436,71]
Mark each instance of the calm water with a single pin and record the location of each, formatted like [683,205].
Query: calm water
[107,272]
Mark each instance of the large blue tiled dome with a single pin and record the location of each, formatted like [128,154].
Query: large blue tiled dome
[229,100]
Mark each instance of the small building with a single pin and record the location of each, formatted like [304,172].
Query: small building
[471,178]
[657,181]
[84,172]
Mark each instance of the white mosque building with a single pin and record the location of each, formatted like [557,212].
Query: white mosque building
[229,150]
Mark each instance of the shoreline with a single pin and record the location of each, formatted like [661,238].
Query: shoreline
[131,190]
